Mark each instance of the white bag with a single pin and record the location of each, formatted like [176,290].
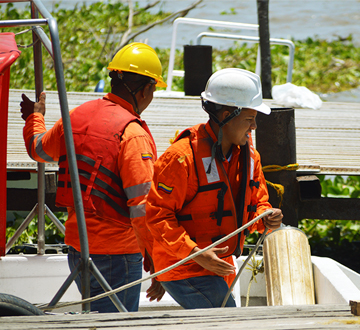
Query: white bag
[290,95]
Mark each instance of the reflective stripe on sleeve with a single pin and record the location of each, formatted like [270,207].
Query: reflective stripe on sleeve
[137,190]
[39,149]
[30,148]
[137,211]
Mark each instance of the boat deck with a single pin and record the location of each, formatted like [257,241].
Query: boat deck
[277,317]
[327,140]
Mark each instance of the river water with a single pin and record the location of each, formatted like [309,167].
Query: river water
[327,19]
[289,19]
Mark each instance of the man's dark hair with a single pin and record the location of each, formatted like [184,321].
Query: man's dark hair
[133,80]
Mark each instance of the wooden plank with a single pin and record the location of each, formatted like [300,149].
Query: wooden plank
[275,317]
[326,139]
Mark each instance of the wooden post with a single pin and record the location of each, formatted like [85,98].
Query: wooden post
[355,307]
[276,143]
[264,35]
[197,67]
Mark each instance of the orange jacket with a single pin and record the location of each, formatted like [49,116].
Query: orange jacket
[174,188]
[97,128]
[212,213]
[134,160]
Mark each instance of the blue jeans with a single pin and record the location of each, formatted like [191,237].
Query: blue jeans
[118,270]
[199,292]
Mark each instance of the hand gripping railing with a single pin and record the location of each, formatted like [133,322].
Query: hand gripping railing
[53,47]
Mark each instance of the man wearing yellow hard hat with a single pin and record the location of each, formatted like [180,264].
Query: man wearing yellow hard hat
[115,154]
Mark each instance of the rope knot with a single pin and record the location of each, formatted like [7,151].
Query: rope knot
[280,190]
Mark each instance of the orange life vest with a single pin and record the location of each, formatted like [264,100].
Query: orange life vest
[214,212]
[97,129]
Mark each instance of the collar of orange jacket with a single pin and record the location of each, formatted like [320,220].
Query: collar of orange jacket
[125,104]
[209,130]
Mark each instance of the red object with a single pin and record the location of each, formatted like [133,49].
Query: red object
[8,54]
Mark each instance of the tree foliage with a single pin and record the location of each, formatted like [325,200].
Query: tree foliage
[89,37]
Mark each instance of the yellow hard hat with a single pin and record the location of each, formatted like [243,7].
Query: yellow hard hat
[138,58]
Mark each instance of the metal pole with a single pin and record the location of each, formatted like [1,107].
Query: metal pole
[37,50]
[253,251]
[22,227]
[55,220]
[264,35]
[70,150]
[41,209]
[65,285]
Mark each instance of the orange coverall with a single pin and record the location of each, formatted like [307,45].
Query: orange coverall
[175,171]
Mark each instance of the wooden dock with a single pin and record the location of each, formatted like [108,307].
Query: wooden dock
[327,140]
[316,317]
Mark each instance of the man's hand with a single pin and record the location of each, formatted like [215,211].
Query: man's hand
[210,261]
[156,290]
[28,107]
[273,221]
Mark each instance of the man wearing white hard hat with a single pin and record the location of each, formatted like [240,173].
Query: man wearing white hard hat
[206,185]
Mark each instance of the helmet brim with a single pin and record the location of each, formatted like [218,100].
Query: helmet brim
[161,83]
[263,108]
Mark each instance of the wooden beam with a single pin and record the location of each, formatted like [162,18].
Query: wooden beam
[264,36]
[330,209]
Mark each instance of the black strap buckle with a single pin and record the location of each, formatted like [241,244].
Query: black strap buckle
[252,208]
[254,184]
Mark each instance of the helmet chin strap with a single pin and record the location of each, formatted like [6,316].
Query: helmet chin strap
[132,92]
[216,148]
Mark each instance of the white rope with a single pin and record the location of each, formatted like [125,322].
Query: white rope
[129,285]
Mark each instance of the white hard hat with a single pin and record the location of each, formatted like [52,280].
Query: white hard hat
[235,88]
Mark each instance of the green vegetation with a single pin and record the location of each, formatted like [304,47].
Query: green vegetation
[337,239]
[90,35]
[29,236]
[340,187]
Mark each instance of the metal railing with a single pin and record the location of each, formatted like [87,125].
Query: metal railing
[273,41]
[228,25]
[199,22]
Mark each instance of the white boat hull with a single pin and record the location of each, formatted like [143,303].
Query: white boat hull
[37,278]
